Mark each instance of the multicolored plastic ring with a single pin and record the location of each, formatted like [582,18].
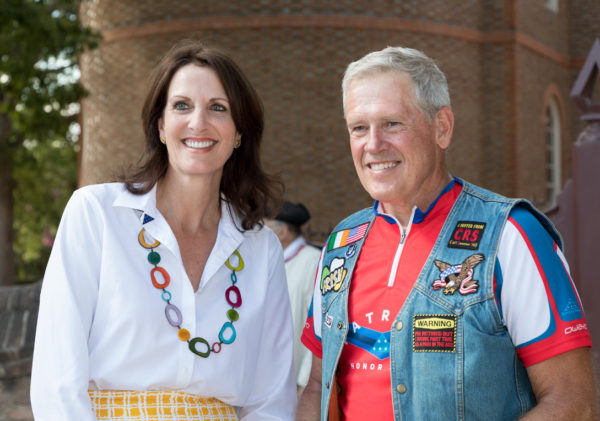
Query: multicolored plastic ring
[170,309]
[233,277]
[240,265]
[183,334]
[227,325]
[192,346]
[236,291]
[143,242]
[216,348]
[232,315]
[165,275]
[166,295]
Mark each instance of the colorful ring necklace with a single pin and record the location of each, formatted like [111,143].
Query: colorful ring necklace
[173,314]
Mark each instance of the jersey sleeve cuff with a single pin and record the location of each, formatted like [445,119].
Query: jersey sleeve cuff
[313,344]
[531,356]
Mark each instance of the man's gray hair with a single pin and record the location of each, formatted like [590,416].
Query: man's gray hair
[429,82]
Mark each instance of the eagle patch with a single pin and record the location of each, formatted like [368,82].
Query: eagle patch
[458,277]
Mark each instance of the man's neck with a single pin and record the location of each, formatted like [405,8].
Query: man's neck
[402,209]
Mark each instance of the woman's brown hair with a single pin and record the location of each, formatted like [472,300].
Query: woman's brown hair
[244,185]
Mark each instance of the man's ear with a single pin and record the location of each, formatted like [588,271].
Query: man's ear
[444,125]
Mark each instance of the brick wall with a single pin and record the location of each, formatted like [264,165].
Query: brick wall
[499,56]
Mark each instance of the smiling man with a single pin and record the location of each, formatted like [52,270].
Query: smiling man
[444,300]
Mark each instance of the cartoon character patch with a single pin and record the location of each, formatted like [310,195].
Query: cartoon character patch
[467,235]
[453,277]
[347,237]
[333,275]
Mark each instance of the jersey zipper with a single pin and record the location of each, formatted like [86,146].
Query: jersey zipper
[403,235]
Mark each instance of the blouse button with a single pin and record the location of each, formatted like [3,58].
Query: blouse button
[399,326]
[340,325]
[401,388]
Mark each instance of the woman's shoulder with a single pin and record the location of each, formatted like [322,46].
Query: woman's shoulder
[262,237]
[103,194]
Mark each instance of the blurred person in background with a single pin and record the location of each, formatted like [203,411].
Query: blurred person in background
[300,267]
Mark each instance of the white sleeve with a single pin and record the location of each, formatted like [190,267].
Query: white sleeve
[306,355]
[59,378]
[273,394]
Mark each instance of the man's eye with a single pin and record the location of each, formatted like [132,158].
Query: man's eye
[358,128]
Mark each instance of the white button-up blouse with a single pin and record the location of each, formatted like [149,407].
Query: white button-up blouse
[102,324]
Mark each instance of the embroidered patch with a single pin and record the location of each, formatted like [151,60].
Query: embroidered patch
[453,277]
[328,320]
[351,250]
[333,275]
[434,333]
[347,237]
[467,235]
[374,342]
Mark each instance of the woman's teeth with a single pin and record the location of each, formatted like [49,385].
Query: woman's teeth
[196,144]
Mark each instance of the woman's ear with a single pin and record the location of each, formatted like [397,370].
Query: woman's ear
[161,128]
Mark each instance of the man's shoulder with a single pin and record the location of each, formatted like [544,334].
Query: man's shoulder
[362,216]
[520,209]
[482,192]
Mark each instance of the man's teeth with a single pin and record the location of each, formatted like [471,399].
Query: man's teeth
[383,165]
[198,144]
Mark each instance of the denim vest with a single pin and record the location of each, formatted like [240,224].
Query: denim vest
[451,355]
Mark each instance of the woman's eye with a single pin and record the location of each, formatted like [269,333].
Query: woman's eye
[218,107]
[180,106]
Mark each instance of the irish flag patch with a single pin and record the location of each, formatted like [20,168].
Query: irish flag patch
[346,237]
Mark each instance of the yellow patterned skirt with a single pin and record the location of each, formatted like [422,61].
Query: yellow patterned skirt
[120,405]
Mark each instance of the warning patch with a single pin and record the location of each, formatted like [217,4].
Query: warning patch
[434,333]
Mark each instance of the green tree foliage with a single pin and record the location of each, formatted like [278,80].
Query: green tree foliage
[39,94]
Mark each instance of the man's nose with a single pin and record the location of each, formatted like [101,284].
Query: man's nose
[375,139]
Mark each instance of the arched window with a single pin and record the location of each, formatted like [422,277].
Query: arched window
[552,5]
[553,152]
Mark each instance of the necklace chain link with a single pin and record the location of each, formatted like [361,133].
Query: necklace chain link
[227,334]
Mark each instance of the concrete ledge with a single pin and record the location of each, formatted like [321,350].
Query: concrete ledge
[18,317]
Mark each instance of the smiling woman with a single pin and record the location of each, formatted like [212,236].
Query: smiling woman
[197,126]
[170,295]
[244,183]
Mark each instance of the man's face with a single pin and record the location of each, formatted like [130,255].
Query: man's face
[394,147]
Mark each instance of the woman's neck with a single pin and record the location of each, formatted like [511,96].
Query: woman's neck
[189,205]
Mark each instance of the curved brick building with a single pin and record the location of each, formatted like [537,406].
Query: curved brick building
[510,65]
